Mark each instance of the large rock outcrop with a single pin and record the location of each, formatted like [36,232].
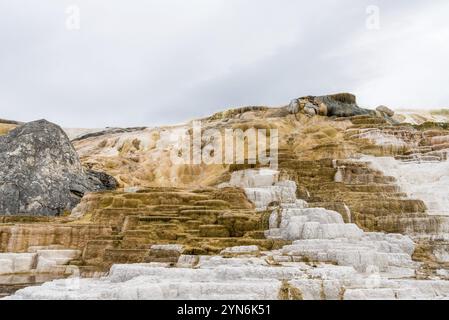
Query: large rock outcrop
[333,105]
[40,172]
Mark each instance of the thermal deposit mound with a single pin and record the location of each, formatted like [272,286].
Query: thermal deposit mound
[355,208]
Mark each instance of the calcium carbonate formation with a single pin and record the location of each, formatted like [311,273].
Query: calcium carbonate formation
[327,259]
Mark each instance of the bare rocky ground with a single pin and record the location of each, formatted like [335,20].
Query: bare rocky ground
[347,214]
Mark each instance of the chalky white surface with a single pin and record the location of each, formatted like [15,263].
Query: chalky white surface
[428,181]
[327,259]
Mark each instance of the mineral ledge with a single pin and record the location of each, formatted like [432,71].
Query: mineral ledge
[327,259]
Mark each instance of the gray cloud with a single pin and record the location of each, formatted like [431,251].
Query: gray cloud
[166,61]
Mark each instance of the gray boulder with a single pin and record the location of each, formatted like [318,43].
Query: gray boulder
[385,110]
[293,107]
[40,171]
[341,105]
[310,109]
[333,105]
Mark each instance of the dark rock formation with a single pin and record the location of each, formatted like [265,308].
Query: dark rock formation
[341,105]
[334,105]
[40,172]
[101,178]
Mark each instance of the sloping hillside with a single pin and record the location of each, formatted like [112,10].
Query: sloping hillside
[353,205]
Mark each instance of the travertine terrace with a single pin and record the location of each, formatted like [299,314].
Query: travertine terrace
[345,215]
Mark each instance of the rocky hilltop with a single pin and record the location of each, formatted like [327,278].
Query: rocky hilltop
[355,209]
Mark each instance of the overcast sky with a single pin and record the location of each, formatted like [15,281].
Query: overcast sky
[145,62]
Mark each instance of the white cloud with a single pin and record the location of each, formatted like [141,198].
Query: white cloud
[164,61]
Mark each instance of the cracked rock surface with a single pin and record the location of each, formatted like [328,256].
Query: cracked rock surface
[41,173]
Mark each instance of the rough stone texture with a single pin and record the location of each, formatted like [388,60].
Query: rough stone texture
[339,105]
[386,110]
[41,173]
[19,237]
[293,106]
[164,253]
[310,109]
[107,182]
[118,227]
[204,220]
